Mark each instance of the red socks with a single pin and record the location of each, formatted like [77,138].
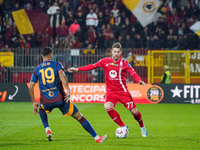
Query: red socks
[115,117]
[138,117]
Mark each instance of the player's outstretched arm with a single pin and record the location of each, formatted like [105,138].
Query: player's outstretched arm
[31,91]
[84,68]
[63,79]
[72,69]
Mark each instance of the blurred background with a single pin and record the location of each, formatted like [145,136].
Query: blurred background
[82,32]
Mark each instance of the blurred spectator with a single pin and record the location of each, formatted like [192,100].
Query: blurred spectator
[73,27]
[69,18]
[181,43]
[87,44]
[1,41]
[116,27]
[7,6]
[186,42]
[157,44]
[180,31]
[195,11]
[115,11]
[174,42]
[101,20]
[133,33]
[161,24]
[13,40]
[111,19]
[55,20]
[148,43]
[79,35]
[168,43]
[53,9]
[92,19]
[129,43]
[62,31]
[16,7]
[139,43]
[76,43]
[121,40]
[91,35]
[70,37]
[74,5]
[42,6]
[171,4]
[44,38]
[28,6]
[8,20]
[100,40]
[110,41]
[182,13]
[81,20]
[65,8]
[123,17]
[189,10]
[107,32]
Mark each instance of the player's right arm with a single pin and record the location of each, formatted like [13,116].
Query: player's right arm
[31,91]
[86,68]
[63,79]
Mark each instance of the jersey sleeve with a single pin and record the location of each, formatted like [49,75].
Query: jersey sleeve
[91,66]
[132,72]
[59,66]
[34,77]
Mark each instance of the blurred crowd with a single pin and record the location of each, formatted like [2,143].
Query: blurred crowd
[99,23]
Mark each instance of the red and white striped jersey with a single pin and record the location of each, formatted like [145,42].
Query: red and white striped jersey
[115,73]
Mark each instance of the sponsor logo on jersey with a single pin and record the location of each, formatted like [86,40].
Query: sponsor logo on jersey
[155,94]
[51,94]
[112,73]
[113,64]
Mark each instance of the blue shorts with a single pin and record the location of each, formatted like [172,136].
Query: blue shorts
[67,108]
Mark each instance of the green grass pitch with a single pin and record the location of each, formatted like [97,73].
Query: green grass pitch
[170,126]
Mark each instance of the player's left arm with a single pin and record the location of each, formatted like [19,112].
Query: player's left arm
[63,79]
[132,72]
[31,91]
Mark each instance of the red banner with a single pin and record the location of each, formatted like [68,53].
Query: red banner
[95,92]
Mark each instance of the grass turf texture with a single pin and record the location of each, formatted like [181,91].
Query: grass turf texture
[170,126]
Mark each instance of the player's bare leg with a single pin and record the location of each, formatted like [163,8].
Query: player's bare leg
[137,115]
[113,114]
[88,127]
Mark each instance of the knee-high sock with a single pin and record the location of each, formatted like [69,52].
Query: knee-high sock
[138,117]
[87,126]
[115,117]
[43,117]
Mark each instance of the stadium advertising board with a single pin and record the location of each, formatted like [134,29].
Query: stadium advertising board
[181,93]
[95,93]
[14,92]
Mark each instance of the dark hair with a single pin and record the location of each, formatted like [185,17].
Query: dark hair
[117,45]
[46,51]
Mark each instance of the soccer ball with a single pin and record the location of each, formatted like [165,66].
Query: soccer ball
[121,132]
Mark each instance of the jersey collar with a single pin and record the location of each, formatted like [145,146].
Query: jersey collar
[117,60]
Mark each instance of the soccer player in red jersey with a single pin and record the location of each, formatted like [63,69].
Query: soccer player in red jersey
[115,69]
